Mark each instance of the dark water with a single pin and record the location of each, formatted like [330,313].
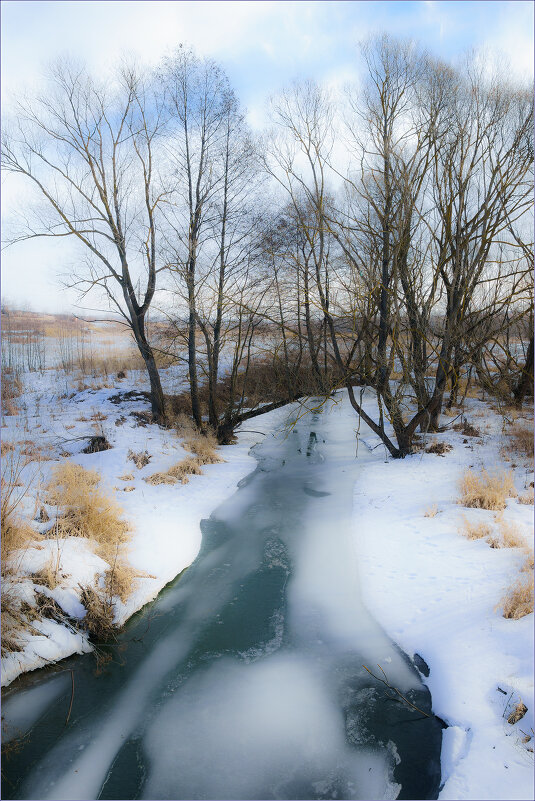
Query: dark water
[245,678]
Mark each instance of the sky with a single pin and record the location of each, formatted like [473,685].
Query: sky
[261,45]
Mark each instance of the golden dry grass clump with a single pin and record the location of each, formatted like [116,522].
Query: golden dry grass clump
[86,510]
[140,459]
[475,531]
[10,391]
[486,491]
[522,438]
[510,534]
[527,497]
[204,446]
[518,601]
[16,535]
[191,466]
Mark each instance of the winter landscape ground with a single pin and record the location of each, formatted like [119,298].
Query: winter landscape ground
[439,587]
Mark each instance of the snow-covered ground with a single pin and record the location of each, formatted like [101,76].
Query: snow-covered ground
[165,537]
[435,592]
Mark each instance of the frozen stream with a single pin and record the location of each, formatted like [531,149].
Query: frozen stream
[244,679]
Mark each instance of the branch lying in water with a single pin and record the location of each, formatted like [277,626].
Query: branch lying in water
[395,689]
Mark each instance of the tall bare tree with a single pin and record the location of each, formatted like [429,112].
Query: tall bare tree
[89,152]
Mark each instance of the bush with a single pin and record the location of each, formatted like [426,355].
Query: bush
[485,491]
[87,511]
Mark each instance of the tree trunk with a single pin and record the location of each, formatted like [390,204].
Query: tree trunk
[526,379]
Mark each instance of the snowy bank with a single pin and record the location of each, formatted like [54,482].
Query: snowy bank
[164,520]
[437,594]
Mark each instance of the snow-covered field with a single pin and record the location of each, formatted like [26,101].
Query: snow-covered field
[435,592]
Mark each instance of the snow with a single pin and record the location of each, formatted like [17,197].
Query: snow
[434,592]
[437,594]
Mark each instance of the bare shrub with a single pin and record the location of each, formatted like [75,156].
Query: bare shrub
[140,459]
[486,491]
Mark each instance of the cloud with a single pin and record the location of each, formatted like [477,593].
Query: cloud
[262,45]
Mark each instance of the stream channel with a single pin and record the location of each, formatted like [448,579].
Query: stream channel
[244,679]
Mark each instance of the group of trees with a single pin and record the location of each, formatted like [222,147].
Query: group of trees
[383,241]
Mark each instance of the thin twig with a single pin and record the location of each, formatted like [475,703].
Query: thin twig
[72,697]
[387,683]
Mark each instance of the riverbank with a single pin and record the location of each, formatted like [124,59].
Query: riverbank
[54,427]
[439,593]
[435,591]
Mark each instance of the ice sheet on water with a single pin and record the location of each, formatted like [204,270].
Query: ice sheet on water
[21,710]
[262,730]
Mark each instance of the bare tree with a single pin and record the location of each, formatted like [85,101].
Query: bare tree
[89,152]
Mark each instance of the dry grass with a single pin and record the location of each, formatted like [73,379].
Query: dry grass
[467,429]
[528,566]
[518,601]
[98,620]
[518,713]
[527,498]
[486,491]
[48,575]
[204,446]
[33,452]
[16,535]
[191,466]
[439,448]
[140,459]
[5,448]
[432,511]
[475,531]
[510,534]
[126,477]
[11,390]
[522,439]
[88,511]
